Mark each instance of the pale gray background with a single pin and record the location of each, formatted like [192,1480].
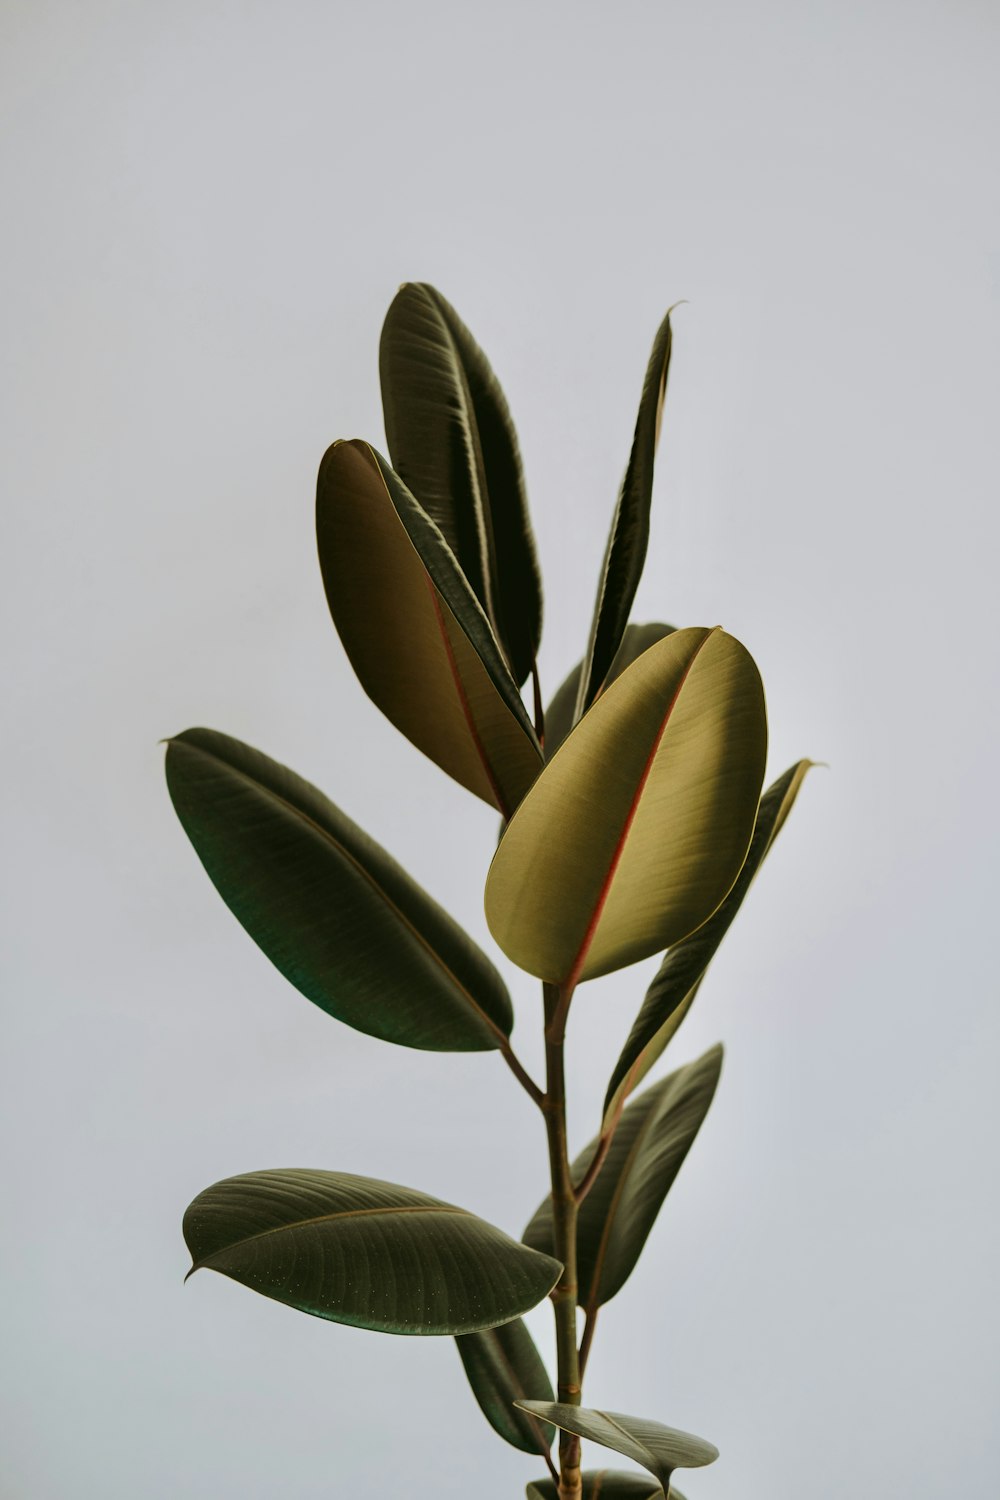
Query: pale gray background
[208,208]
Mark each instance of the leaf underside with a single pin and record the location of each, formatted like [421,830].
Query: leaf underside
[503,1366]
[659,1449]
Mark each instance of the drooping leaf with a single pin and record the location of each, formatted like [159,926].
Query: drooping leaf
[330,908]
[653,1137]
[626,549]
[659,1449]
[452,442]
[560,716]
[605,1484]
[671,993]
[636,830]
[364,1252]
[503,1366]
[414,631]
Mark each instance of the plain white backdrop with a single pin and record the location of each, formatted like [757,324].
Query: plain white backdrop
[208,207]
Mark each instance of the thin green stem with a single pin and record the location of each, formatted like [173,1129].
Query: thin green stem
[588,1338]
[564,1215]
[521,1073]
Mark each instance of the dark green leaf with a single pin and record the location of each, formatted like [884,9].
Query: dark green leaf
[637,829]
[626,550]
[605,1484]
[669,997]
[653,1137]
[363,1252]
[452,441]
[560,716]
[330,908]
[414,631]
[504,1366]
[659,1449]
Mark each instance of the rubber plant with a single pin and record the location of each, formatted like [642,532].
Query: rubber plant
[633,824]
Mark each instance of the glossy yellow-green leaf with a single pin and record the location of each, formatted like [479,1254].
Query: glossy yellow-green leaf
[605,1484]
[636,830]
[364,1252]
[653,1137]
[560,716]
[669,997]
[626,549]
[331,909]
[415,632]
[452,442]
[659,1449]
[503,1366]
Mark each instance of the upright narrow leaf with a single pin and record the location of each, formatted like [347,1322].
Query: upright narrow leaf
[504,1366]
[659,1449]
[636,831]
[452,441]
[330,908]
[605,1484]
[626,550]
[654,1136]
[671,993]
[560,716]
[414,631]
[364,1252]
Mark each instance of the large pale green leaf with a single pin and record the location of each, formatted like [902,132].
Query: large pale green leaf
[659,1449]
[363,1252]
[605,1484]
[330,908]
[560,716]
[669,997]
[415,632]
[626,549]
[452,441]
[504,1366]
[653,1137]
[636,830]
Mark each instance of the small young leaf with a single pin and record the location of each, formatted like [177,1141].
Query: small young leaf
[605,1484]
[626,550]
[653,1137]
[330,908]
[636,831]
[414,631]
[672,991]
[364,1252]
[504,1366]
[560,716]
[659,1449]
[452,441]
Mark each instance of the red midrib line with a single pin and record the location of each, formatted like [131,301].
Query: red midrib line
[573,977]
[501,801]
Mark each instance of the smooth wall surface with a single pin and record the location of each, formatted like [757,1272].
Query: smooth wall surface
[208,208]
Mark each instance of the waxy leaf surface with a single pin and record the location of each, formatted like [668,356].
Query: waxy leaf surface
[503,1366]
[659,1449]
[672,991]
[604,1484]
[626,549]
[560,716]
[452,442]
[414,631]
[636,830]
[364,1252]
[653,1137]
[330,908]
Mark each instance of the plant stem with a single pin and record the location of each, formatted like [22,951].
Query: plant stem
[564,1215]
[521,1073]
[589,1325]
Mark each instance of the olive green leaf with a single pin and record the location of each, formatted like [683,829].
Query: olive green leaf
[364,1252]
[605,1484]
[560,716]
[671,993]
[452,442]
[636,830]
[626,549]
[659,1449]
[653,1137]
[504,1366]
[414,631]
[330,908]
